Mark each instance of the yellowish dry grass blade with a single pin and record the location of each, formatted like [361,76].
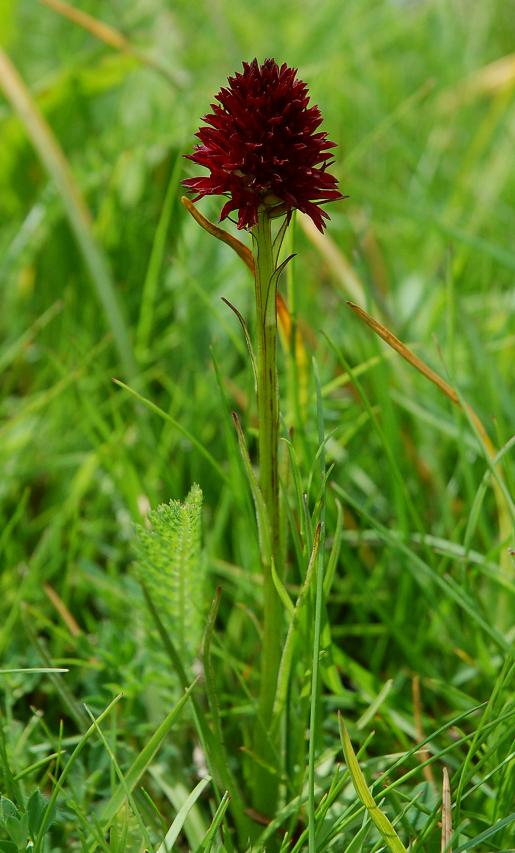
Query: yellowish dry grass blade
[57,166]
[501,497]
[335,259]
[63,611]
[426,371]
[446,813]
[112,37]
[497,76]
[406,353]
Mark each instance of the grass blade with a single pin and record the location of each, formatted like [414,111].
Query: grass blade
[141,763]
[213,749]
[446,813]
[112,37]
[78,214]
[218,816]
[65,771]
[382,823]
[259,503]
[425,573]
[176,827]
[492,830]
[128,794]
[289,645]
[155,263]
[317,630]
[153,408]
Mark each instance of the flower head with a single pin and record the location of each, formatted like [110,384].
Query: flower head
[262,147]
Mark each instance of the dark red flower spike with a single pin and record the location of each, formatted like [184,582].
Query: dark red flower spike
[261,146]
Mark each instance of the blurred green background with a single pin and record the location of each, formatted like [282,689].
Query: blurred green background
[419,98]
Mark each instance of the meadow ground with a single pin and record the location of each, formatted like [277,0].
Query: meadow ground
[405,625]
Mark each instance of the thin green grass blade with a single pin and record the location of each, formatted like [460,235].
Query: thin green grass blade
[481,492]
[370,713]
[8,530]
[340,780]
[12,352]
[239,490]
[504,679]
[58,787]
[450,588]
[259,503]
[123,783]
[90,827]
[332,561]
[483,836]
[506,762]
[176,792]
[9,781]
[144,759]
[437,756]
[389,454]
[180,819]
[382,823]
[213,749]
[32,768]
[291,636]
[246,335]
[32,669]
[218,817]
[166,417]
[345,378]
[282,592]
[68,699]
[317,631]
[358,842]
[304,522]
[148,297]
[207,662]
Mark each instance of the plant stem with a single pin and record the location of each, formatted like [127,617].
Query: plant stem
[268,414]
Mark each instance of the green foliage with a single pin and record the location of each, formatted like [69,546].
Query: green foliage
[170,563]
[381,821]
[23,826]
[125,835]
[412,582]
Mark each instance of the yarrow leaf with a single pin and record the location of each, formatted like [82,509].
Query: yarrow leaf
[170,564]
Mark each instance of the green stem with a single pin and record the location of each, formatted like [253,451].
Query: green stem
[268,414]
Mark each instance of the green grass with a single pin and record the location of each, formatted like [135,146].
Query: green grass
[399,589]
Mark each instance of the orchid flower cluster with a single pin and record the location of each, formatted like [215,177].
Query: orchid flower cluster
[262,146]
